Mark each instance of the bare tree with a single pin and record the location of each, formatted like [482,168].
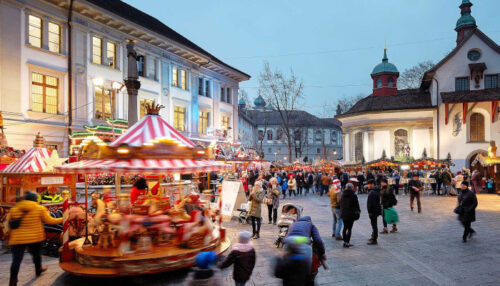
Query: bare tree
[242,94]
[345,103]
[412,77]
[283,93]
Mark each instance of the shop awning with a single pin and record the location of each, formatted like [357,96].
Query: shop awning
[31,162]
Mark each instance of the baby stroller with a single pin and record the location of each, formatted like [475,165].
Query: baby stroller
[290,213]
[243,216]
[53,239]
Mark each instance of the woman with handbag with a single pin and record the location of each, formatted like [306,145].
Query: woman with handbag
[466,210]
[26,231]
[256,197]
[349,212]
[272,200]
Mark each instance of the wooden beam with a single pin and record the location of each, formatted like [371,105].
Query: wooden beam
[494,106]
[446,113]
[464,112]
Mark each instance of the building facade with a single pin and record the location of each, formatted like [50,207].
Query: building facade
[62,68]
[455,110]
[313,138]
[247,129]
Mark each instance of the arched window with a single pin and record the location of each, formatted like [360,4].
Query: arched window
[390,82]
[379,82]
[333,137]
[476,129]
[279,134]
[400,142]
[269,135]
[358,147]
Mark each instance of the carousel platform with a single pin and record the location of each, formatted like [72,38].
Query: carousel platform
[96,262]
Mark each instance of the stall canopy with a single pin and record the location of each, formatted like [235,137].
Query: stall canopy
[382,163]
[148,129]
[429,164]
[486,161]
[34,161]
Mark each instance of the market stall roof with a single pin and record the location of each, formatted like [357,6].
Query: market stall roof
[382,162]
[430,162]
[143,165]
[32,162]
[485,161]
[149,128]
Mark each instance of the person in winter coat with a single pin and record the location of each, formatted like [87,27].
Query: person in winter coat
[293,267]
[468,201]
[415,187]
[388,201]
[140,188]
[284,187]
[305,227]
[446,180]
[273,200]
[300,183]
[374,209]
[242,256]
[344,178]
[309,183]
[349,212]
[325,184]
[476,181]
[335,194]
[204,274]
[256,197]
[292,186]
[29,234]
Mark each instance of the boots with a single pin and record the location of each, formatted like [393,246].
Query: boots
[384,231]
[40,271]
[394,229]
[13,282]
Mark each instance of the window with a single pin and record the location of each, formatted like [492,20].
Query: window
[476,128]
[151,68]
[207,89]
[225,122]
[103,103]
[54,37]
[318,150]
[222,94]
[390,82]
[279,134]
[400,142]
[358,147]
[491,81]
[111,54]
[179,118]
[261,135]
[318,136]
[141,65]
[96,50]
[44,92]
[461,83]
[175,77]
[269,150]
[142,107]
[184,79]
[35,31]
[202,127]
[379,82]
[269,135]
[200,86]
[228,95]
[333,137]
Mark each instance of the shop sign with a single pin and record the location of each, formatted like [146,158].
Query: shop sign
[52,180]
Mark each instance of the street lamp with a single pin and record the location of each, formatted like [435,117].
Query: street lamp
[275,156]
[335,152]
[98,81]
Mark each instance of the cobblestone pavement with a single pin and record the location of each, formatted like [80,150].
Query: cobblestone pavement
[427,250]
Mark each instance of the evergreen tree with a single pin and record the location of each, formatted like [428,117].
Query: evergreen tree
[424,154]
[339,109]
[384,156]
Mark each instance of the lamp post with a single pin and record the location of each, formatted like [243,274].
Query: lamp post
[132,83]
[275,159]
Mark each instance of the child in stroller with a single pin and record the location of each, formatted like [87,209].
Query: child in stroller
[290,213]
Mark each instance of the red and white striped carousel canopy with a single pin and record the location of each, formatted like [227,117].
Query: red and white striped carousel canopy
[149,128]
[162,166]
[32,162]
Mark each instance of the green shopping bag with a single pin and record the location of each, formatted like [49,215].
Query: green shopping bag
[391,216]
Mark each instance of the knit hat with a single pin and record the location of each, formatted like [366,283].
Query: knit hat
[370,181]
[349,186]
[465,183]
[31,196]
[336,182]
[244,237]
[205,259]
[384,180]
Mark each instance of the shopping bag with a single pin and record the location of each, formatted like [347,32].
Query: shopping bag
[391,216]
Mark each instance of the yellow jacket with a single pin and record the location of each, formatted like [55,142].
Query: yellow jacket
[31,228]
[334,197]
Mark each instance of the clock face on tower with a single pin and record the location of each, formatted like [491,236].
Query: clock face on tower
[473,55]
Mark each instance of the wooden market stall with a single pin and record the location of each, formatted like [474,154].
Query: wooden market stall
[491,168]
[382,164]
[156,233]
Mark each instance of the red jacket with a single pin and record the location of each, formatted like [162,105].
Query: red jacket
[135,193]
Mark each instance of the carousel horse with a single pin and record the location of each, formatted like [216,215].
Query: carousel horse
[198,232]
[178,213]
[76,221]
[108,223]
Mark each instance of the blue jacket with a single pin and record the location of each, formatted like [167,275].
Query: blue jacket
[304,227]
[284,187]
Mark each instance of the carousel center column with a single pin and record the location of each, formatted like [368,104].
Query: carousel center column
[132,83]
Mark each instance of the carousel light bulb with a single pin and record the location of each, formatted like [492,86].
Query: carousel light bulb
[117,85]
[98,81]
[200,152]
[123,151]
[148,144]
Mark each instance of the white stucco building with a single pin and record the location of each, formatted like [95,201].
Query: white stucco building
[62,68]
[454,111]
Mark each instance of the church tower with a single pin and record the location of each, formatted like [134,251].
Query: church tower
[466,23]
[385,78]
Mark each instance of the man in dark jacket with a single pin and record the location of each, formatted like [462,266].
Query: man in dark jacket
[374,209]
[468,201]
[344,178]
[300,183]
[415,187]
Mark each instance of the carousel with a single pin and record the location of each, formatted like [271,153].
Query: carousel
[489,165]
[160,231]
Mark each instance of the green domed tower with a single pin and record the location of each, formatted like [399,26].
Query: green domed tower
[385,78]
[466,23]
[259,102]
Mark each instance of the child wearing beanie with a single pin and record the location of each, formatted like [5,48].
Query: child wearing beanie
[204,273]
[243,258]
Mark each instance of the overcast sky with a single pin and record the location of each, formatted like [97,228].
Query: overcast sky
[331,45]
